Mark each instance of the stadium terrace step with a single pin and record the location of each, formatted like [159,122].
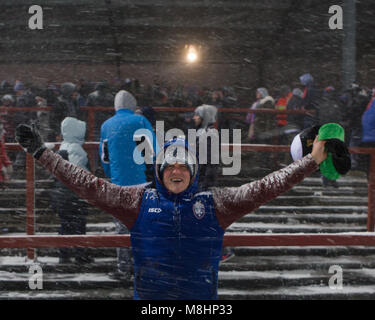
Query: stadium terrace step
[254,272]
[64,294]
[311,292]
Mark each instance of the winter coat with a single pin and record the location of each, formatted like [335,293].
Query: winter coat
[176,238]
[117,147]
[356,107]
[281,104]
[207,132]
[368,124]
[264,122]
[4,159]
[330,108]
[73,132]
[310,102]
[295,121]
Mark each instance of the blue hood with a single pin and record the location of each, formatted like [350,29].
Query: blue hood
[306,79]
[193,187]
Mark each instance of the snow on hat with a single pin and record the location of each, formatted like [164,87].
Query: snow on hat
[178,154]
[125,100]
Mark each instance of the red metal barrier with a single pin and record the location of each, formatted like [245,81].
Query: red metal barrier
[233,240]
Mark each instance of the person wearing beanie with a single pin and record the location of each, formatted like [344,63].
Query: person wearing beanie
[116,150]
[176,231]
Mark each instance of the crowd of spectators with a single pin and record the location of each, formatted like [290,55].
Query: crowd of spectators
[321,105]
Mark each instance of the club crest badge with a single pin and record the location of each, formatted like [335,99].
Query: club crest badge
[199,210]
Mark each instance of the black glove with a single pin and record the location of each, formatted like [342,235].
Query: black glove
[29,138]
[340,155]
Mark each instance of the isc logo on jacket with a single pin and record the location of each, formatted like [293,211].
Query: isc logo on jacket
[176,251]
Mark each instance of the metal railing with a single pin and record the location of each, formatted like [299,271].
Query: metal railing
[32,241]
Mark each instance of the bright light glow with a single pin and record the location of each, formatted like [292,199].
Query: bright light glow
[192,55]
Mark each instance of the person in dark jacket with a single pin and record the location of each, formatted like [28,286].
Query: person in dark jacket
[65,106]
[310,100]
[101,97]
[176,231]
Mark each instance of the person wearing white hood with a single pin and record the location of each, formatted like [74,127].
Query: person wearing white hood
[118,155]
[71,210]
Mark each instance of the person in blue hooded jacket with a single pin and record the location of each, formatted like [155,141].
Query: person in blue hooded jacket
[176,231]
[368,135]
[119,157]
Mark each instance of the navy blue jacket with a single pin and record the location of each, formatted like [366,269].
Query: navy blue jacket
[176,238]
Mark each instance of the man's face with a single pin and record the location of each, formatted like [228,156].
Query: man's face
[197,120]
[176,177]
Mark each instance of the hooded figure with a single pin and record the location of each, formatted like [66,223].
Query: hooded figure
[176,237]
[122,162]
[73,132]
[71,210]
[261,123]
[205,118]
[118,141]
[176,231]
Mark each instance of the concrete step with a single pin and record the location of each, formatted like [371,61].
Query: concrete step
[82,294]
[294,262]
[17,281]
[271,226]
[260,227]
[307,218]
[316,209]
[308,292]
[336,251]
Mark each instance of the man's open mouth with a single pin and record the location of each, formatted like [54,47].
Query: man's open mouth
[176,180]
